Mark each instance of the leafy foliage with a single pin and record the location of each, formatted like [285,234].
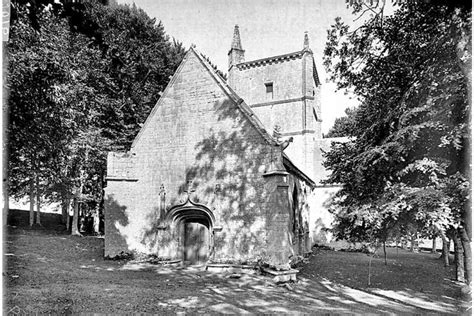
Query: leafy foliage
[406,166]
[82,78]
[343,126]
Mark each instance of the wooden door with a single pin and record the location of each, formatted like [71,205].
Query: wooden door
[196,243]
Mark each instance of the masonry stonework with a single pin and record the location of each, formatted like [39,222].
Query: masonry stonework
[205,180]
[200,159]
[293,103]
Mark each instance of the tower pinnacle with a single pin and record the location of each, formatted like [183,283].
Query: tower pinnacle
[236,53]
[236,39]
[306,40]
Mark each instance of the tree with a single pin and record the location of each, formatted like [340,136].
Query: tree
[82,81]
[34,119]
[343,126]
[407,161]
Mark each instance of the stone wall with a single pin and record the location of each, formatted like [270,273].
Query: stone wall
[320,218]
[196,133]
[249,81]
[295,104]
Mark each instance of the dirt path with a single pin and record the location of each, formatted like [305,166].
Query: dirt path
[63,274]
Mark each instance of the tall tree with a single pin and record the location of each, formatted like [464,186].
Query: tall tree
[83,78]
[408,159]
[343,126]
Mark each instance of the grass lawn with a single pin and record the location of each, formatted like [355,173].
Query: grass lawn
[414,274]
[50,272]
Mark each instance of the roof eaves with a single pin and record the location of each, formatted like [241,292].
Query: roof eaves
[291,166]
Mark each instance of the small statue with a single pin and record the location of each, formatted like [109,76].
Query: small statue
[162,195]
[277,132]
[277,135]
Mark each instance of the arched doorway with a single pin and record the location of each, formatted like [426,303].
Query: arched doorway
[194,223]
[195,242]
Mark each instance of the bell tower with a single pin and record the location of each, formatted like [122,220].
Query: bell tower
[282,91]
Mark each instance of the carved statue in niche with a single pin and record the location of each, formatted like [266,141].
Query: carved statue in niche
[162,195]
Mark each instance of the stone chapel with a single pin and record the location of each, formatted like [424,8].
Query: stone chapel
[208,180]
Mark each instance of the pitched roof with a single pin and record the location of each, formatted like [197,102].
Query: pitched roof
[290,166]
[227,90]
[246,110]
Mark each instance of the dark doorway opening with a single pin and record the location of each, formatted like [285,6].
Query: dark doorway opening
[196,242]
[194,224]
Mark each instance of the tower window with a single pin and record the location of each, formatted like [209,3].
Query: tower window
[269,90]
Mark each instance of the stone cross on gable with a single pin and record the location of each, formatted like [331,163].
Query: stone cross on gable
[189,190]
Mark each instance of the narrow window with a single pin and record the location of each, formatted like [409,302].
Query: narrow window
[269,90]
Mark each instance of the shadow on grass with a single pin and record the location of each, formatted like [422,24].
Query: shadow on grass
[220,293]
[108,286]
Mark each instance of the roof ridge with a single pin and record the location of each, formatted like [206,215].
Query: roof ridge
[302,174]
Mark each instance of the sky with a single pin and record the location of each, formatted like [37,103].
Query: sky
[267,28]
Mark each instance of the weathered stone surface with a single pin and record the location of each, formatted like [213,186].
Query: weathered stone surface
[282,275]
[209,155]
[294,104]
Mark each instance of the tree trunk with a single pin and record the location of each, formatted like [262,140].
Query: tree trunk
[75,219]
[433,247]
[458,258]
[65,201]
[77,197]
[38,209]
[464,51]
[370,265]
[100,205]
[6,195]
[96,221]
[5,113]
[445,253]
[466,244]
[68,218]
[38,202]
[385,253]
[412,243]
[32,203]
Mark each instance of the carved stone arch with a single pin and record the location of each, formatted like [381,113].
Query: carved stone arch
[193,227]
[192,211]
